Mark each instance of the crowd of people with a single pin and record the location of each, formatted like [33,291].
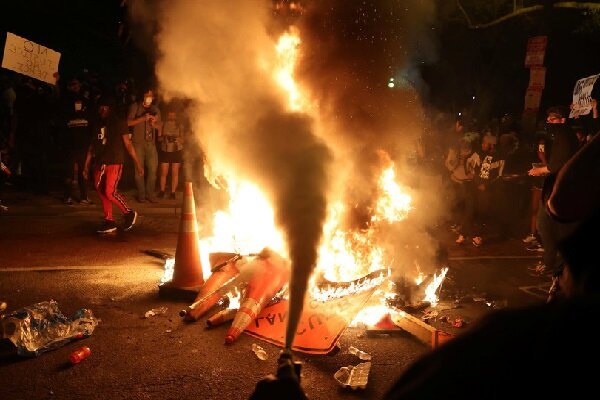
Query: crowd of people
[496,176]
[49,131]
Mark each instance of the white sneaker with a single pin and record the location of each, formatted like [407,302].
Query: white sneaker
[529,239]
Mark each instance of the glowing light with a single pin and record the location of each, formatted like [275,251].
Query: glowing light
[287,52]
[393,205]
[234,299]
[371,315]
[168,272]
[431,291]
[247,226]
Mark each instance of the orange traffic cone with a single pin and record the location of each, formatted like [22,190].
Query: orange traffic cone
[187,274]
[273,272]
[214,282]
[221,317]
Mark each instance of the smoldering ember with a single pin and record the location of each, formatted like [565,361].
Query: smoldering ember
[298,199]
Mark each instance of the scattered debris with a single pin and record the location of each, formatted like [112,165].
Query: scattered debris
[459,323]
[354,377]
[42,327]
[359,353]
[158,254]
[261,354]
[80,354]
[155,311]
[419,329]
[429,315]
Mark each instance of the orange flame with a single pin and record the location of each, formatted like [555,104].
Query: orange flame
[248,225]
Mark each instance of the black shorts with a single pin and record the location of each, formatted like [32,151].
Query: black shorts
[172,157]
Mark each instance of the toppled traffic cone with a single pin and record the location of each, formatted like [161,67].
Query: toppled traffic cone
[187,274]
[271,274]
[221,317]
[221,274]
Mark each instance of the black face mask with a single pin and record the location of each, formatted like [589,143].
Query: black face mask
[553,129]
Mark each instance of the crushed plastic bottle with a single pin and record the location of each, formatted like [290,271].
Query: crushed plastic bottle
[155,311]
[260,352]
[359,353]
[354,377]
[42,327]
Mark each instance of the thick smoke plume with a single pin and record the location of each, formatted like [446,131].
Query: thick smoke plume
[221,55]
[351,50]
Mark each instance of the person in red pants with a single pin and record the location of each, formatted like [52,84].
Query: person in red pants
[108,148]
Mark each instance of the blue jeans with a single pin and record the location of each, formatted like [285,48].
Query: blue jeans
[148,157]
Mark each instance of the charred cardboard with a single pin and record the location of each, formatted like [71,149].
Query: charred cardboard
[321,324]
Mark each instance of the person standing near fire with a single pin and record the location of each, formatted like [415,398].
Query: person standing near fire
[170,139]
[563,147]
[488,166]
[75,112]
[110,142]
[144,118]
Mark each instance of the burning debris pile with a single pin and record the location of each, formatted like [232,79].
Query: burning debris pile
[308,143]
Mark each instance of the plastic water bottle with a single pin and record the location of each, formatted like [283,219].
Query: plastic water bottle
[260,352]
[80,354]
[359,353]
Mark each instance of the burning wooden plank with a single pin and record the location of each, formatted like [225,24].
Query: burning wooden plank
[419,329]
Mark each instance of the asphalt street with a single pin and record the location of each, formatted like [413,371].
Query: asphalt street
[49,251]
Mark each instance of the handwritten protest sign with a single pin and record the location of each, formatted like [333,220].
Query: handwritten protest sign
[321,324]
[29,58]
[536,50]
[582,99]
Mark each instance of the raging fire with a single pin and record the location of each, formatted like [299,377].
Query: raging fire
[345,255]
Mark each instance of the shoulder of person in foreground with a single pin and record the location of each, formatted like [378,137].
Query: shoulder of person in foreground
[508,352]
[576,193]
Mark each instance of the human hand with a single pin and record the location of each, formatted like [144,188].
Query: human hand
[86,173]
[284,385]
[481,187]
[139,169]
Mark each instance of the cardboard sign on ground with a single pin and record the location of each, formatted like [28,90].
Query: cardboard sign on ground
[321,324]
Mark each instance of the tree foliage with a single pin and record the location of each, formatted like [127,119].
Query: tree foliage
[484,14]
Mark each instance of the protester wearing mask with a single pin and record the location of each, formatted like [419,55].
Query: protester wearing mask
[144,117]
[563,147]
